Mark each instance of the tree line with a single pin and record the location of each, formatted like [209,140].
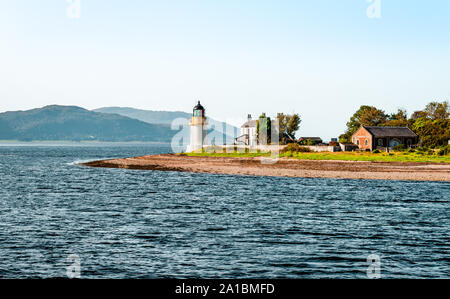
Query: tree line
[288,124]
[432,124]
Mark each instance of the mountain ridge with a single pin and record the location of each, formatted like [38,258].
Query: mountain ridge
[56,122]
[167,118]
[74,123]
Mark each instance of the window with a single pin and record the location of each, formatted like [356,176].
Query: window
[367,142]
[198,113]
[380,142]
[357,142]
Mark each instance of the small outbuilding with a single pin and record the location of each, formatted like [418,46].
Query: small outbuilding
[371,138]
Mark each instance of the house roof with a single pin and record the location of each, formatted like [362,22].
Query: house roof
[390,131]
[311,138]
[250,124]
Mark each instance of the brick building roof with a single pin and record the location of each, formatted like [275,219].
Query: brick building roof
[390,131]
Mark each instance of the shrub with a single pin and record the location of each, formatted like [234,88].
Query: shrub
[295,148]
[399,148]
[308,142]
[422,149]
[289,154]
[445,150]
[333,143]
[376,151]
[411,150]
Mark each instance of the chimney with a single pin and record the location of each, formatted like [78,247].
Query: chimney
[249,117]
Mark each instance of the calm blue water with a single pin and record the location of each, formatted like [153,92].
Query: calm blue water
[146,224]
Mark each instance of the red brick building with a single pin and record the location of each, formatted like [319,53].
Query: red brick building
[371,138]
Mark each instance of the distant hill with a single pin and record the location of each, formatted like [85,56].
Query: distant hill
[148,116]
[167,117]
[77,124]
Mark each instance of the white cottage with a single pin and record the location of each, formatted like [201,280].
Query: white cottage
[249,135]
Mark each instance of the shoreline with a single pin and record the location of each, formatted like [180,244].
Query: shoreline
[7,143]
[284,167]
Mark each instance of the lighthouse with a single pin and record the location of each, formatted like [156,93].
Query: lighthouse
[198,129]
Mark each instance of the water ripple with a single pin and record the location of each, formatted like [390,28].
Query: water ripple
[146,224]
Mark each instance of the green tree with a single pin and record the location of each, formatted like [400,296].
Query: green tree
[372,117]
[398,119]
[432,132]
[293,124]
[345,138]
[264,126]
[401,114]
[288,126]
[436,110]
[418,114]
[365,116]
[432,124]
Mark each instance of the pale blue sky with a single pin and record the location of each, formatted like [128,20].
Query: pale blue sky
[320,58]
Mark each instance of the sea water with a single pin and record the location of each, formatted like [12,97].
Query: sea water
[149,224]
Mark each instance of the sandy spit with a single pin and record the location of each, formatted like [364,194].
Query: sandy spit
[284,167]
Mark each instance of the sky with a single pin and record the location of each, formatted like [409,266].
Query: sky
[322,59]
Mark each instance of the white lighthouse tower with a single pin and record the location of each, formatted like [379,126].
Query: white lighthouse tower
[198,129]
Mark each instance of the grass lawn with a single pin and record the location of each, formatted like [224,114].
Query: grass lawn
[343,156]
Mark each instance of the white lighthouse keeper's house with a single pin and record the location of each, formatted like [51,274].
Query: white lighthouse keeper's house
[198,126]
